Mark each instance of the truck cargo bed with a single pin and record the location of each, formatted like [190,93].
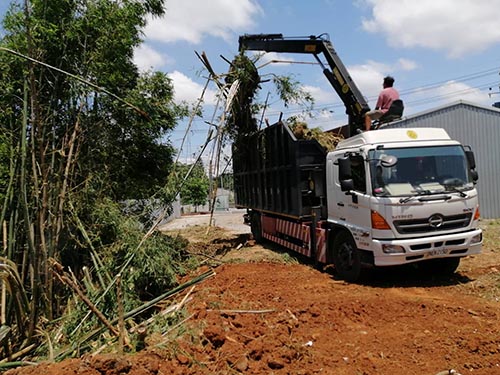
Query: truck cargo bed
[276,173]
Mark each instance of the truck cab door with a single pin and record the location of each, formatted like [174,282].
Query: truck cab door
[337,200]
[352,207]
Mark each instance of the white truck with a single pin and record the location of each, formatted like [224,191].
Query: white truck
[381,198]
[410,197]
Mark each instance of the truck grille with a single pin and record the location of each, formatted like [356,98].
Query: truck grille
[434,223]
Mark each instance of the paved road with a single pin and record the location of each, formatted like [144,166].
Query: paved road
[231,220]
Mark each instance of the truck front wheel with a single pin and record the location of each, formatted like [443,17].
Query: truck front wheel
[346,257]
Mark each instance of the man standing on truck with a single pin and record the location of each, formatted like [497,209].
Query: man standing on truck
[385,99]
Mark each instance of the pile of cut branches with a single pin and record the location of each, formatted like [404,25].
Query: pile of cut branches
[328,140]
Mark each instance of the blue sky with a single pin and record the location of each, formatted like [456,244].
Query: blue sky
[439,51]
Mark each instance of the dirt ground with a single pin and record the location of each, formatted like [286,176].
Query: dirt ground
[268,312]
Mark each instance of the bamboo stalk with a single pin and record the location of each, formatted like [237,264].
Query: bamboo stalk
[139,310]
[218,149]
[3,302]
[166,295]
[20,353]
[65,183]
[12,176]
[121,320]
[172,328]
[61,275]
[96,260]
[4,287]
[169,310]
[7,365]
[23,183]
[181,304]
[12,240]
[19,300]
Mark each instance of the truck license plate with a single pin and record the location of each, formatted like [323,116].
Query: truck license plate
[438,252]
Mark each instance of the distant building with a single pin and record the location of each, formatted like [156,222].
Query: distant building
[224,199]
[474,125]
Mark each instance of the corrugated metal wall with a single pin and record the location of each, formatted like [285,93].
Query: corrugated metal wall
[478,127]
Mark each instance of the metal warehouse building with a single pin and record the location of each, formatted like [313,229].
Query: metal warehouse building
[474,125]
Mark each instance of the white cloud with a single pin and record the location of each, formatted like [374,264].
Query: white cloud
[321,96]
[458,27]
[449,92]
[191,20]
[369,77]
[407,65]
[188,90]
[147,58]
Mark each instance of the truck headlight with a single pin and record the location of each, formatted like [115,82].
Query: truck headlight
[477,238]
[393,249]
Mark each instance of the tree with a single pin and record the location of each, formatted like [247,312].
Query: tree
[75,144]
[194,190]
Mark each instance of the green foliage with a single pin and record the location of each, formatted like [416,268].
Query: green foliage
[195,187]
[289,259]
[240,121]
[70,151]
[195,191]
[125,148]
[291,91]
[154,266]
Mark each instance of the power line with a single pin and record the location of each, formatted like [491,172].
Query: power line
[422,89]
[408,92]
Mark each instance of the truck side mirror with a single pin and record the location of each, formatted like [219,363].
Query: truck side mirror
[472,164]
[470,158]
[474,175]
[347,185]
[344,169]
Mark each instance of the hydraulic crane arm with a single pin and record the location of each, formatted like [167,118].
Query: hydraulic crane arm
[339,78]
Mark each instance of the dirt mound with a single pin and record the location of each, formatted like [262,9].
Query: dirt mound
[271,317]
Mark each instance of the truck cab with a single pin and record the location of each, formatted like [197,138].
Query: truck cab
[401,196]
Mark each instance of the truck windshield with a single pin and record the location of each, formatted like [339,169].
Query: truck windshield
[420,171]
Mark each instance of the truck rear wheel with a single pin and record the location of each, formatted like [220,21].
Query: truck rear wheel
[346,257]
[256,227]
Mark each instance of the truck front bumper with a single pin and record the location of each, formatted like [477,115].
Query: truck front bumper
[397,252]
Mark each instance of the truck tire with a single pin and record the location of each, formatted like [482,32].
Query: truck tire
[439,267]
[346,257]
[256,227]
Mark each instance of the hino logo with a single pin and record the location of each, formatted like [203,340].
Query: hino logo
[436,220]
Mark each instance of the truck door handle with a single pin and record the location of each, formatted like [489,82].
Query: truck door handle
[341,204]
